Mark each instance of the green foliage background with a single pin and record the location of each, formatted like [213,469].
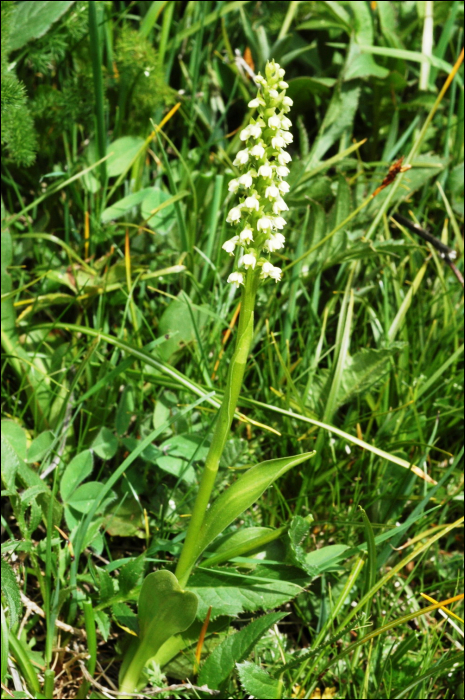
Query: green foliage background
[115,306]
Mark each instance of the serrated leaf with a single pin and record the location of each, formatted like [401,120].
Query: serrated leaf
[106,586]
[125,617]
[130,574]
[32,20]
[76,471]
[231,593]
[257,682]
[234,649]
[243,494]
[103,623]
[10,590]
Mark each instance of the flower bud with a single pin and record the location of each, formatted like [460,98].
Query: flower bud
[233,186]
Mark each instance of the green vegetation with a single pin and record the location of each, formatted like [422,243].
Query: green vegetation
[120,125]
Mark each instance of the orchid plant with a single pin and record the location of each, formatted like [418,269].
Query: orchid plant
[166,608]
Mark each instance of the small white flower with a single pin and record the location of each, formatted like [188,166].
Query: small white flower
[260,79]
[246,236]
[279,206]
[256,102]
[273,94]
[288,101]
[279,222]
[229,246]
[242,157]
[265,170]
[284,187]
[275,242]
[272,191]
[257,151]
[233,186]
[248,260]
[251,203]
[253,130]
[282,171]
[278,141]
[236,278]
[281,72]
[283,85]
[234,215]
[287,137]
[274,122]
[245,180]
[285,123]
[269,270]
[284,158]
[264,223]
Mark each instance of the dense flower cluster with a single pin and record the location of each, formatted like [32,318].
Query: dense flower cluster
[263,165]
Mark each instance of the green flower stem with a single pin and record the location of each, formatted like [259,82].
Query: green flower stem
[236,371]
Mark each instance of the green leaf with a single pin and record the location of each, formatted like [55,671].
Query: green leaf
[123,152]
[105,444]
[364,369]
[257,682]
[125,617]
[77,470]
[178,452]
[124,205]
[125,410]
[106,586]
[131,573]
[5,645]
[10,464]
[16,436]
[84,496]
[159,219]
[324,559]
[124,518]
[103,623]
[40,446]
[164,610]
[32,20]
[233,649]
[180,321]
[10,591]
[231,593]
[243,494]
